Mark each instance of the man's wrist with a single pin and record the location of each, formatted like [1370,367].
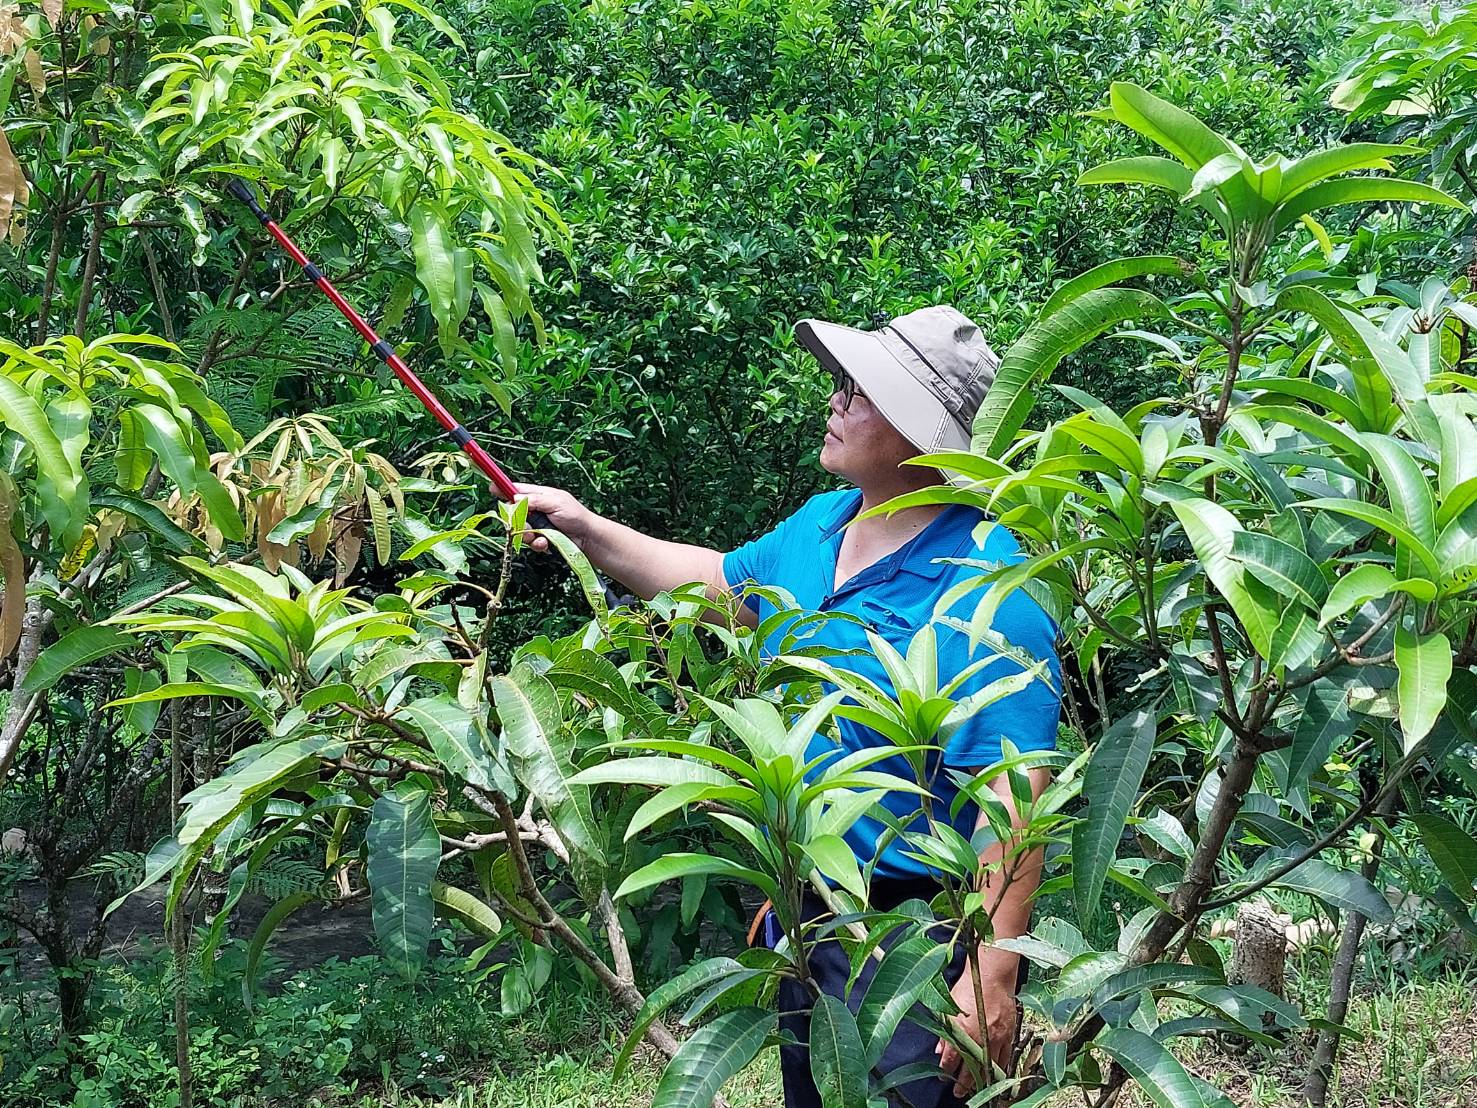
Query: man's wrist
[584,532]
[998,966]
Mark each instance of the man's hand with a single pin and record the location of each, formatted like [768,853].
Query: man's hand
[565,513]
[999,1021]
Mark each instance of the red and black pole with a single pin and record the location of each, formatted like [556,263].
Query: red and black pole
[501,484]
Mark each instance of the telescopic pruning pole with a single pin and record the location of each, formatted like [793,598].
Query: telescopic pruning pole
[501,484]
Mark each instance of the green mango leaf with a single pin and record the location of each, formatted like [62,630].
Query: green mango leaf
[1409,493]
[1033,357]
[430,17]
[836,1060]
[542,752]
[1144,979]
[170,444]
[652,771]
[1372,387]
[1111,785]
[162,858]
[584,572]
[302,522]
[1211,530]
[1424,662]
[1405,539]
[906,971]
[436,268]
[1452,849]
[836,860]
[1358,190]
[1149,1062]
[1338,888]
[666,994]
[1314,168]
[1110,273]
[64,511]
[152,517]
[131,459]
[1168,832]
[219,507]
[1175,129]
[454,737]
[404,850]
[678,796]
[75,648]
[712,1055]
[272,920]
[458,904]
[1283,566]
[1365,582]
[670,867]
[1155,171]
[1323,723]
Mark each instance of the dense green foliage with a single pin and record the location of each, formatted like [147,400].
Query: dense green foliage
[730,168]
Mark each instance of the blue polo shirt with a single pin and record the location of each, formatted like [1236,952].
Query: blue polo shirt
[896,597]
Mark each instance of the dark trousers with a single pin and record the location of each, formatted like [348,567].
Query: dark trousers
[831,968]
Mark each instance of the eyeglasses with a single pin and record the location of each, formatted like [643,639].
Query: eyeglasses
[846,385]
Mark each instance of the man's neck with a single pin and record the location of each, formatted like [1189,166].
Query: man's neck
[891,531]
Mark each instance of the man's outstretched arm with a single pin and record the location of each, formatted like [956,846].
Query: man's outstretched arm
[644,564]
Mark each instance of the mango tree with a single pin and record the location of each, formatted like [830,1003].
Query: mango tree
[1275,572]
[151,333]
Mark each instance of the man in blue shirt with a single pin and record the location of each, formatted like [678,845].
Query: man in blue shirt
[909,388]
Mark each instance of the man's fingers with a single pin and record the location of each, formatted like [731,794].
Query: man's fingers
[949,1057]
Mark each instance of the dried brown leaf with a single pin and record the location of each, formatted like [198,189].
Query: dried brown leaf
[53,12]
[319,537]
[268,515]
[35,74]
[12,571]
[346,553]
[13,31]
[15,192]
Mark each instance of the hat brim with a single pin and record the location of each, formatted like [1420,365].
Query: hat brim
[904,401]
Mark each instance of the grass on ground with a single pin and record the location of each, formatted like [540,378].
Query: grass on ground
[1418,1050]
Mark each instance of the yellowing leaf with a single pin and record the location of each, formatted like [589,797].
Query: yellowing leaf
[74,561]
[35,74]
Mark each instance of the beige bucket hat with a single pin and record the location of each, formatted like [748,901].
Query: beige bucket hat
[926,372]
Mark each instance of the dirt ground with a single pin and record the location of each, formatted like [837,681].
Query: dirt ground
[308,937]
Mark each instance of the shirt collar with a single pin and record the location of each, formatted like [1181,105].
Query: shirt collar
[950,535]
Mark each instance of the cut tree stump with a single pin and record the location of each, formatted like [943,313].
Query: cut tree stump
[1260,954]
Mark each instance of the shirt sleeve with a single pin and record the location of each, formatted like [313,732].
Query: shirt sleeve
[1027,717]
[757,561]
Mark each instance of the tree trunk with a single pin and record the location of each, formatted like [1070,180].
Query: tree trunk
[179,929]
[1325,1050]
[73,982]
[71,991]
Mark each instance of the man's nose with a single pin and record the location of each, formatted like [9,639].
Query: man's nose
[835,402]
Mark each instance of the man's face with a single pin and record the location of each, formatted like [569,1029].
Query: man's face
[860,445]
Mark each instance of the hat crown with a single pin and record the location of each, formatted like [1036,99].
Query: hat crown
[959,365]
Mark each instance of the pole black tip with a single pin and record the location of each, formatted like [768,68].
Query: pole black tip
[241,192]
